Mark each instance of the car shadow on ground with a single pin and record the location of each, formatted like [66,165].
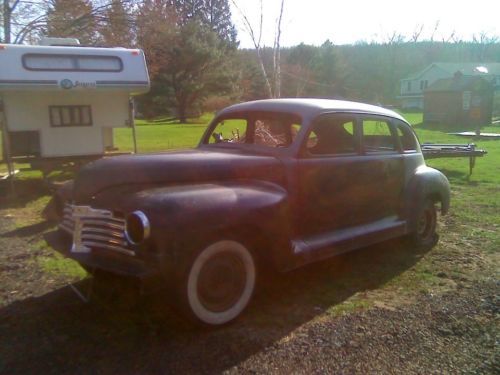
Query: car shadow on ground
[30,230]
[122,332]
[24,192]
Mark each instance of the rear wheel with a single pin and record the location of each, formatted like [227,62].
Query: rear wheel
[425,234]
[220,283]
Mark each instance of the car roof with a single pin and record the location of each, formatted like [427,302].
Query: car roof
[308,107]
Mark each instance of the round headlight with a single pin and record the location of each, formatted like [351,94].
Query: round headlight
[137,228]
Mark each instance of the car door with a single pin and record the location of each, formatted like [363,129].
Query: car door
[328,176]
[382,171]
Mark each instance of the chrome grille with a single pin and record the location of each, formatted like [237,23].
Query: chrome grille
[96,229]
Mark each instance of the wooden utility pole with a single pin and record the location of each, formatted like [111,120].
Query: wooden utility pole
[7,15]
[131,121]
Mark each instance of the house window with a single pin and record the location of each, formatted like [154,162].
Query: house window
[70,115]
[72,63]
[408,86]
[423,85]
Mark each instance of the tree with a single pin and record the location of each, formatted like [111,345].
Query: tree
[116,25]
[7,9]
[199,66]
[336,71]
[216,14]
[15,14]
[300,70]
[272,79]
[250,83]
[155,24]
[187,60]
[72,18]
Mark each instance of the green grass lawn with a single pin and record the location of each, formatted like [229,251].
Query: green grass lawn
[162,135]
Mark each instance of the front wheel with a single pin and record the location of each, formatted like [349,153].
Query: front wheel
[425,234]
[220,283]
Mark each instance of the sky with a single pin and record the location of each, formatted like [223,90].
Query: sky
[351,21]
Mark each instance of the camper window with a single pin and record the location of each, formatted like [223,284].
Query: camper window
[70,115]
[65,63]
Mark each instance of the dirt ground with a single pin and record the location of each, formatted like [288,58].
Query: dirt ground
[384,309]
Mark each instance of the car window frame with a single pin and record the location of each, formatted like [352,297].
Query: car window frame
[399,123]
[392,129]
[251,117]
[306,154]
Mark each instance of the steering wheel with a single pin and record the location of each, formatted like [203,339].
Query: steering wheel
[218,137]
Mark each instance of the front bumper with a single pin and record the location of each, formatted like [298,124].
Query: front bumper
[95,239]
[101,259]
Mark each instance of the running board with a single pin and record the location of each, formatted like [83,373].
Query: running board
[343,240]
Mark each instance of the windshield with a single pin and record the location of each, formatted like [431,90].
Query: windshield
[265,129]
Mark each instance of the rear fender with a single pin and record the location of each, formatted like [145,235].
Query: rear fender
[426,183]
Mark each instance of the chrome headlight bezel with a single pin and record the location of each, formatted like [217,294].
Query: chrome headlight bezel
[137,228]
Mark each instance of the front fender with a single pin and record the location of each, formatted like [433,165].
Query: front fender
[426,183]
[187,218]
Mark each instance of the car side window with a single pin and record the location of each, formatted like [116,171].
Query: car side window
[377,136]
[229,130]
[271,132]
[332,134]
[406,138]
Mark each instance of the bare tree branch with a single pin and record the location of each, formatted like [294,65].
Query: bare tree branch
[436,27]
[277,54]
[415,36]
[256,42]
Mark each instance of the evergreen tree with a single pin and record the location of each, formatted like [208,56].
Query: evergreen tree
[199,66]
[72,18]
[116,26]
[187,60]
[216,14]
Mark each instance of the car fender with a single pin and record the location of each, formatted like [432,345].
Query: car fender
[186,218]
[425,183]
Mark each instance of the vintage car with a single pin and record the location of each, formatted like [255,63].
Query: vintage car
[272,184]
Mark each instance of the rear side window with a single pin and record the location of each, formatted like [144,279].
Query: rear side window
[69,63]
[332,134]
[377,136]
[406,138]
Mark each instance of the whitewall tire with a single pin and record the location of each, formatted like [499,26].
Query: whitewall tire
[220,282]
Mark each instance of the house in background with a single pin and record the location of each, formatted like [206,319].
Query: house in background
[461,101]
[412,88]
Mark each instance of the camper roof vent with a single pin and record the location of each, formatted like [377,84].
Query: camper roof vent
[59,42]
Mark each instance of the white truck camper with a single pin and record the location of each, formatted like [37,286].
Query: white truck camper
[62,102]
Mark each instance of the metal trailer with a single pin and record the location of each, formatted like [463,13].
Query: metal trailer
[441,150]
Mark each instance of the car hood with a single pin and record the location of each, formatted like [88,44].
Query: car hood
[181,167]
